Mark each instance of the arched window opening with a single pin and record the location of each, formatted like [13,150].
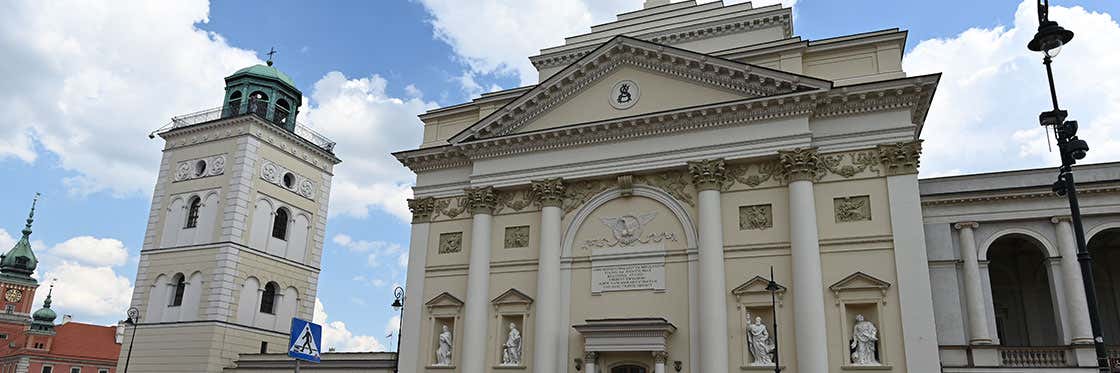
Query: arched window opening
[289,180]
[192,212]
[234,105]
[1021,292]
[280,224]
[180,287]
[280,115]
[268,298]
[1104,247]
[199,168]
[258,103]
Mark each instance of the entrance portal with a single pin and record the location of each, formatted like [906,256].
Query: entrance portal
[628,369]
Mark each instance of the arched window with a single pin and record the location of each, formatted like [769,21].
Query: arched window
[268,298]
[180,287]
[258,103]
[234,105]
[192,212]
[280,224]
[280,115]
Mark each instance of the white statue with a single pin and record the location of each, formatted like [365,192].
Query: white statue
[511,350]
[864,337]
[443,354]
[758,340]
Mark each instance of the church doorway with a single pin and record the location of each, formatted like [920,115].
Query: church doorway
[1105,249]
[1019,270]
[628,369]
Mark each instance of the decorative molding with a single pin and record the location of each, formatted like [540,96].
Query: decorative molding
[275,174]
[481,200]
[966,224]
[753,292]
[421,208]
[660,357]
[225,128]
[590,357]
[708,174]
[901,158]
[756,217]
[450,207]
[967,198]
[548,192]
[860,283]
[852,209]
[200,168]
[450,242]
[512,297]
[628,231]
[445,302]
[517,237]
[801,164]
[677,183]
[857,163]
[754,174]
[578,193]
[516,200]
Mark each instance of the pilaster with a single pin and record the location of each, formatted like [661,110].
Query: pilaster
[973,291]
[900,158]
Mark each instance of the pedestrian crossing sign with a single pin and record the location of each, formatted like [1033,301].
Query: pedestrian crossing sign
[305,339]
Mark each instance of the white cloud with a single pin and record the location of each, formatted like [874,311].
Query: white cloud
[337,336]
[87,292]
[6,240]
[985,112]
[525,26]
[368,124]
[78,80]
[91,250]
[377,250]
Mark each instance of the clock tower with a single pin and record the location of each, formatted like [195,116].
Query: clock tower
[234,239]
[17,286]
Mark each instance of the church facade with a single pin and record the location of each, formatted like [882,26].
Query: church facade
[693,188]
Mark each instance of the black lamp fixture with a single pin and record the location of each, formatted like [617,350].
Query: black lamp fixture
[133,319]
[398,305]
[1049,40]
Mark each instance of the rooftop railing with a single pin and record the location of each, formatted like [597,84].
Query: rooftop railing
[258,109]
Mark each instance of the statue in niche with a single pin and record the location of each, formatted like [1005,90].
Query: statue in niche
[864,340]
[759,342]
[511,350]
[443,353]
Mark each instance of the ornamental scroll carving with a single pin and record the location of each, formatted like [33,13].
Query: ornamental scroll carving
[200,167]
[548,192]
[421,209]
[677,183]
[515,200]
[450,207]
[851,209]
[481,200]
[450,243]
[287,179]
[578,193]
[756,217]
[709,174]
[754,174]
[628,230]
[517,237]
[801,164]
[856,163]
[901,158]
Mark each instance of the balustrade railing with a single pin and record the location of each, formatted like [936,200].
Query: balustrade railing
[257,108]
[1033,357]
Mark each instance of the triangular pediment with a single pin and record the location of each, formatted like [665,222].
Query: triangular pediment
[512,296]
[756,285]
[444,300]
[859,281]
[657,78]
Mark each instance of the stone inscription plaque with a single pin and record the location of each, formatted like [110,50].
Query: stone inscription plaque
[633,276]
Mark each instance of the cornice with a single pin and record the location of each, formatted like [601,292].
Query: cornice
[434,158]
[1033,193]
[247,124]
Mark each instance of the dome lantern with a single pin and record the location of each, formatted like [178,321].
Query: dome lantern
[265,91]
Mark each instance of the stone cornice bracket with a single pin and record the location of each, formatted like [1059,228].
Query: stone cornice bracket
[547,192]
[1059,219]
[660,357]
[708,174]
[900,158]
[421,209]
[964,224]
[801,164]
[481,200]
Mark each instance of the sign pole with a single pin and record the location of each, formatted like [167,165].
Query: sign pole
[297,365]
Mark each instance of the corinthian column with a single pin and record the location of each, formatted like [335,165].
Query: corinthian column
[708,175]
[973,287]
[481,202]
[413,297]
[549,194]
[1080,329]
[801,167]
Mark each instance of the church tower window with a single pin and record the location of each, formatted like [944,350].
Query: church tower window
[235,102]
[258,103]
[268,298]
[192,212]
[280,115]
[280,224]
[180,288]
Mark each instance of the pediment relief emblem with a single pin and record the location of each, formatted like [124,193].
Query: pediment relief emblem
[628,230]
[743,79]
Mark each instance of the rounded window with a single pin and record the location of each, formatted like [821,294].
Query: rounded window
[289,180]
[200,168]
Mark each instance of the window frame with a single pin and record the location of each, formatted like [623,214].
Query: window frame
[47,369]
[180,289]
[193,207]
[271,299]
[75,369]
[280,231]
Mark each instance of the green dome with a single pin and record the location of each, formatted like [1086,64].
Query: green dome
[44,314]
[265,71]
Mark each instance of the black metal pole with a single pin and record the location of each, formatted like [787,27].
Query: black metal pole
[773,287]
[1086,262]
[400,322]
[128,358]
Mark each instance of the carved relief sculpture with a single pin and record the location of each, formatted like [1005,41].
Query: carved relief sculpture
[450,242]
[850,209]
[676,183]
[801,164]
[756,217]
[901,158]
[628,230]
[708,174]
[481,200]
[511,350]
[759,342]
[857,162]
[445,207]
[515,200]
[517,237]
[548,192]
[763,172]
[443,352]
[421,209]
[865,337]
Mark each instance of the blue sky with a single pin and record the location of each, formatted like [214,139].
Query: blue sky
[89,80]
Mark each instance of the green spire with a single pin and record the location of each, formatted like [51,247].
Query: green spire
[43,319]
[20,262]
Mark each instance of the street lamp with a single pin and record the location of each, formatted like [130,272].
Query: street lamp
[1049,40]
[772,287]
[133,319]
[398,305]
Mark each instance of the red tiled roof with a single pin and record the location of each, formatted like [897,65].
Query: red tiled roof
[77,339]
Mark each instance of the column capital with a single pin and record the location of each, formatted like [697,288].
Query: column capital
[900,158]
[421,209]
[660,357]
[708,174]
[547,192]
[590,357]
[1061,219]
[800,163]
[966,224]
[481,200]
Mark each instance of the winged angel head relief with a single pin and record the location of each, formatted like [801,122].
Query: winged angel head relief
[628,230]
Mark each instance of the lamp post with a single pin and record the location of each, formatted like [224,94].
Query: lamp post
[133,318]
[398,305]
[1049,40]
[772,287]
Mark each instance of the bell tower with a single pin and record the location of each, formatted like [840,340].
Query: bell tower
[235,235]
[17,286]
